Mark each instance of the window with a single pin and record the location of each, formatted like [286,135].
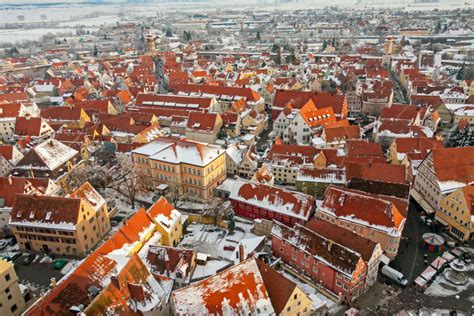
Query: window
[13,308]
[338,282]
[9,296]
[7,277]
[295,296]
[7,290]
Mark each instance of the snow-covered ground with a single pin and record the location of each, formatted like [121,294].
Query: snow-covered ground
[443,288]
[212,240]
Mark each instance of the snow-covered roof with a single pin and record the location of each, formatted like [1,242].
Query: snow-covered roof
[239,290]
[54,153]
[272,198]
[180,151]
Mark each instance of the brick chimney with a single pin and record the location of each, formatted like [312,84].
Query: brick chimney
[115,281]
[329,245]
[241,253]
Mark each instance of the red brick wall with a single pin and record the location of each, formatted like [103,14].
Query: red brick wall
[323,274]
[252,212]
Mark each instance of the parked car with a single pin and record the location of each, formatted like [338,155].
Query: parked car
[11,242]
[60,263]
[394,275]
[3,244]
[229,248]
[16,256]
[29,259]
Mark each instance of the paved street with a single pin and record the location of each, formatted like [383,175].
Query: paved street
[410,260]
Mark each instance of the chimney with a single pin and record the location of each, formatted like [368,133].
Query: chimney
[241,253]
[115,281]
[329,245]
[10,181]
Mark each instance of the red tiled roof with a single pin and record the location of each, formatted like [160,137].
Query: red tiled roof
[248,93]
[65,113]
[344,237]
[32,208]
[167,260]
[403,112]
[358,205]
[417,147]
[10,110]
[199,121]
[189,102]
[362,148]
[376,171]
[274,199]
[13,97]
[307,152]
[454,164]
[340,257]
[28,126]
[225,291]
[343,132]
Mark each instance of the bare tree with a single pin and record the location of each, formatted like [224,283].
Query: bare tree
[131,181]
[98,177]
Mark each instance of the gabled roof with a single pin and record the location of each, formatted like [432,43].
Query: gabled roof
[278,287]
[173,101]
[239,290]
[133,291]
[365,149]
[338,234]
[13,97]
[29,126]
[403,112]
[205,122]
[176,151]
[306,152]
[247,93]
[10,110]
[453,167]
[417,148]
[316,117]
[164,214]
[63,113]
[50,154]
[376,171]
[274,199]
[87,193]
[360,207]
[46,211]
[323,249]
[10,186]
[94,274]
[343,132]
[169,260]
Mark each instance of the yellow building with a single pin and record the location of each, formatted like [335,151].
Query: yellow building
[468,86]
[60,225]
[11,298]
[456,213]
[191,168]
[167,220]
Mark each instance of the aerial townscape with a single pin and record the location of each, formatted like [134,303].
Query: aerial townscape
[247,157]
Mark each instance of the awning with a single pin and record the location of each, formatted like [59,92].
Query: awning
[441,221]
[424,205]
[384,259]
